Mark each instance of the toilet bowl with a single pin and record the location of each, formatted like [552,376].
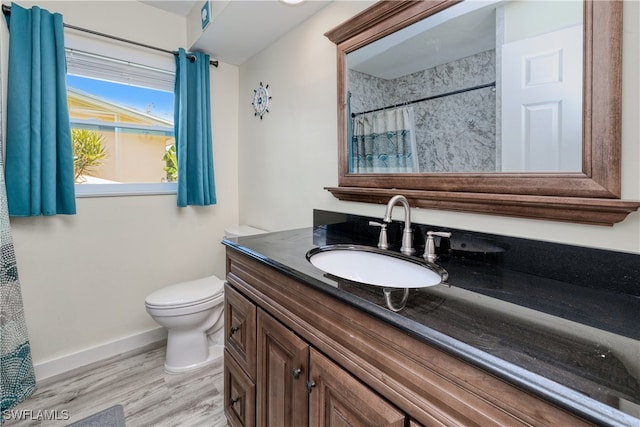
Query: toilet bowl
[192,313]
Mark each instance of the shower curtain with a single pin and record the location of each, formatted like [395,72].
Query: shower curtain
[17,378]
[384,142]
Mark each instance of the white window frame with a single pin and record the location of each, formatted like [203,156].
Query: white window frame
[111,190]
[122,54]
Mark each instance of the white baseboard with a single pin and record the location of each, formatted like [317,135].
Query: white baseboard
[61,365]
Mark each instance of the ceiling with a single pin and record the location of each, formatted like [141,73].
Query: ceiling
[179,7]
[242,28]
[459,31]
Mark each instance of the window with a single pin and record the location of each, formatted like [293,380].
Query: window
[121,116]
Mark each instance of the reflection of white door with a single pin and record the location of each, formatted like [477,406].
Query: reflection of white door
[542,103]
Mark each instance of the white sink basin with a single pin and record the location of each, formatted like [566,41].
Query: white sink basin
[373,266]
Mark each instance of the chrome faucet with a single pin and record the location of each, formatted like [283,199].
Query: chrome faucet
[430,245]
[382,240]
[407,234]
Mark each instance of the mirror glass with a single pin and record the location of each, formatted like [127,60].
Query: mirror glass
[482,86]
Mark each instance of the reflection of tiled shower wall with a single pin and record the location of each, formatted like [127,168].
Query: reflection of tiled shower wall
[455,133]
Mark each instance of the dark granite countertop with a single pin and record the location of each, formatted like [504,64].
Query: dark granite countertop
[575,346]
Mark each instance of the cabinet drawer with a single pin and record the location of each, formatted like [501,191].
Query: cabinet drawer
[239,395]
[338,399]
[240,330]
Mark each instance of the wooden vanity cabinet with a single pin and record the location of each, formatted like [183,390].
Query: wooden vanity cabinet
[354,369]
[294,381]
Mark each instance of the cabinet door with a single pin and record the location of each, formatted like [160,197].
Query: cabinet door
[239,395]
[338,399]
[282,398]
[240,330]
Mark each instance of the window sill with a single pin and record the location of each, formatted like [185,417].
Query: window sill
[117,190]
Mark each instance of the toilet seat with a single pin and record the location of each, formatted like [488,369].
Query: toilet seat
[187,294]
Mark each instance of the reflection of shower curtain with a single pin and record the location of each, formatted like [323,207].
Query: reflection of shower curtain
[384,141]
[17,378]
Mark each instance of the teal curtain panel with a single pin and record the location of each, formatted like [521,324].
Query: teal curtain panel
[192,123]
[39,155]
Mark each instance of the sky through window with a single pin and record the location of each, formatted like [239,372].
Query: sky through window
[155,102]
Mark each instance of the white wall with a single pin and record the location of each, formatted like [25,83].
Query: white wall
[288,157]
[84,278]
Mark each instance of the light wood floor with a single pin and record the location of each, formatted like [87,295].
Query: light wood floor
[136,381]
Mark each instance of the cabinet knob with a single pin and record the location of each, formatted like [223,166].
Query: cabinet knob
[296,372]
[233,330]
[310,385]
[233,401]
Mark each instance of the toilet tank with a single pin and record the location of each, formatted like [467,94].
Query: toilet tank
[242,230]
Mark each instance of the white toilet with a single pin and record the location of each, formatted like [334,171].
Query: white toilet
[192,312]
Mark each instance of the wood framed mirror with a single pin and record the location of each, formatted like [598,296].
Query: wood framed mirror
[590,196]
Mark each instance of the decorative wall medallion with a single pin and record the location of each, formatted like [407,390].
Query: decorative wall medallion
[205,14]
[261,100]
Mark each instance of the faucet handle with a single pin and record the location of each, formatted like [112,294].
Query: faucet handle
[430,245]
[382,240]
[439,233]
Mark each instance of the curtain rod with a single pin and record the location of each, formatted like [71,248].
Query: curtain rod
[6,10]
[428,98]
